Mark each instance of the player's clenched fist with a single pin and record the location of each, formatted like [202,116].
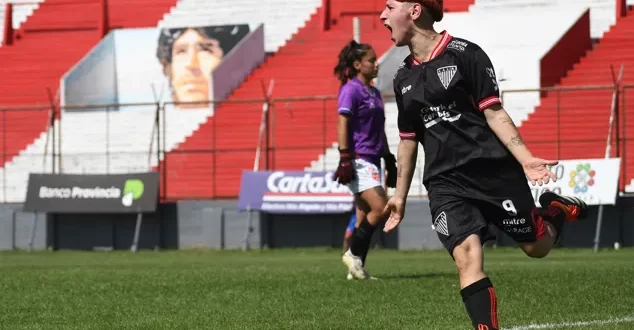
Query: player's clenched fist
[345,171]
[395,209]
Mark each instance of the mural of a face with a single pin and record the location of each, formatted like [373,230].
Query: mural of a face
[189,55]
[194,57]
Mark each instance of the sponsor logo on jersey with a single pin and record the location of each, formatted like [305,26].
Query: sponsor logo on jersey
[457,45]
[446,74]
[514,221]
[434,115]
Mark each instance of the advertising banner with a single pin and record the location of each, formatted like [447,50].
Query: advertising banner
[595,181]
[293,192]
[92,193]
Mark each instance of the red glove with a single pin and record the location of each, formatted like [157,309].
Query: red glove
[345,171]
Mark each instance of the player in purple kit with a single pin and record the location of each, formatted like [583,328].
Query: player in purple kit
[362,145]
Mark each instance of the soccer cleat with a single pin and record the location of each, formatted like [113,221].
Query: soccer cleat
[355,266]
[349,277]
[574,208]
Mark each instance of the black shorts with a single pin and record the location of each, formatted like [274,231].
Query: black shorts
[474,198]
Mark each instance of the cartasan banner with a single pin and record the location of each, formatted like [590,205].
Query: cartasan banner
[92,193]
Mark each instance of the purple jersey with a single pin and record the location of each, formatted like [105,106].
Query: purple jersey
[367,119]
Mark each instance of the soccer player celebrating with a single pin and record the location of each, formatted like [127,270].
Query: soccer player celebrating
[362,144]
[476,164]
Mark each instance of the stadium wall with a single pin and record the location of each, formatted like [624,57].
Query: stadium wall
[238,64]
[218,225]
[388,67]
[93,80]
[16,227]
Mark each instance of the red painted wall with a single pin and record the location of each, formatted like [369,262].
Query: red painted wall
[566,52]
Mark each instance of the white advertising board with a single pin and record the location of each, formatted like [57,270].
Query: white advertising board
[595,181]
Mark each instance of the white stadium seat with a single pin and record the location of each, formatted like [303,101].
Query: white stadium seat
[281,18]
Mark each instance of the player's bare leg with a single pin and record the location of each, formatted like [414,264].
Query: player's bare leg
[476,289]
[372,202]
[359,216]
[556,210]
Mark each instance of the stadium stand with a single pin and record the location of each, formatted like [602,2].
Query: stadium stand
[303,67]
[281,18]
[601,11]
[346,8]
[21,10]
[580,122]
[28,71]
[208,164]
[187,170]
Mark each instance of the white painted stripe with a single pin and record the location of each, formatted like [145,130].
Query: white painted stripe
[627,319]
[313,199]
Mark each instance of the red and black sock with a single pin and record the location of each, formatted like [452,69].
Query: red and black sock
[360,240]
[481,303]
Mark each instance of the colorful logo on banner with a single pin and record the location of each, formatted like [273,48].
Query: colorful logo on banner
[582,178]
[293,192]
[595,181]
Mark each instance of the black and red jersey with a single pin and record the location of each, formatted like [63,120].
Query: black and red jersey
[441,103]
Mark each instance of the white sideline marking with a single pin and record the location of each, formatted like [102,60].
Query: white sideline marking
[573,324]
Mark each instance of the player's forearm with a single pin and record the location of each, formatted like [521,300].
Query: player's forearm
[342,132]
[503,126]
[406,159]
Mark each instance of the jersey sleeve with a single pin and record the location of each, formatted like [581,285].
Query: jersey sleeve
[405,129]
[484,86]
[346,103]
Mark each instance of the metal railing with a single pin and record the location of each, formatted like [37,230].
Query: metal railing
[111,138]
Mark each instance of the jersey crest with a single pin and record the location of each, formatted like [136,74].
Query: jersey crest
[446,74]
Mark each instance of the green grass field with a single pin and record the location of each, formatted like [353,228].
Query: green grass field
[307,289]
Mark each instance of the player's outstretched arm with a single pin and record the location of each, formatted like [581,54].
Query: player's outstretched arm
[395,208]
[503,126]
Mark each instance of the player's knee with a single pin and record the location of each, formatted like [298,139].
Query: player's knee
[468,256]
[375,199]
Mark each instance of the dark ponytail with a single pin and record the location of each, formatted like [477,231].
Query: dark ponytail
[353,51]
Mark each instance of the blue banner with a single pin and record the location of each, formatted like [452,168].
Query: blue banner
[293,192]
